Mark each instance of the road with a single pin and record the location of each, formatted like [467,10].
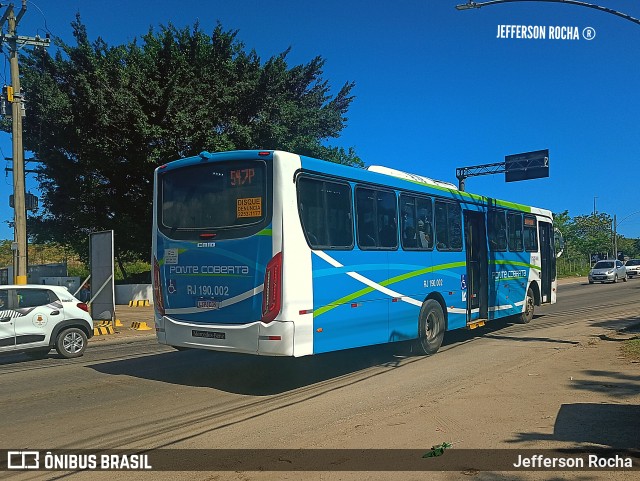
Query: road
[504,386]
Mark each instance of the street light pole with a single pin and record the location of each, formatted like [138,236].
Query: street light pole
[615,237]
[471,4]
[615,231]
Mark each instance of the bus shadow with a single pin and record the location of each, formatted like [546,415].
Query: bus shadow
[264,376]
[253,375]
[463,335]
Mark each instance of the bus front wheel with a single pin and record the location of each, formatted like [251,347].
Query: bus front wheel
[529,302]
[430,328]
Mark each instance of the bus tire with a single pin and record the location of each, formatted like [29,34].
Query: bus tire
[529,304]
[430,328]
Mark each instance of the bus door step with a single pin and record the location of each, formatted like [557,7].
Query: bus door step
[476,323]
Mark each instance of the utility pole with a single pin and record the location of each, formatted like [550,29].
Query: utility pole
[14,96]
[615,237]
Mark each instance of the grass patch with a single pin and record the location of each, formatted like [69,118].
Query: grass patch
[631,348]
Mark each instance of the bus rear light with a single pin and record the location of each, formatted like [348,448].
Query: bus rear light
[207,235]
[264,153]
[157,288]
[272,292]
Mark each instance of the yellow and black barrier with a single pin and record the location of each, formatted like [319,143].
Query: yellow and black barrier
[116,323]
[102,330]
[140,303]
[140,326]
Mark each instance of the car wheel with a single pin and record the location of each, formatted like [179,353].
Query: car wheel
[590,282]
[71,342]
[430,328]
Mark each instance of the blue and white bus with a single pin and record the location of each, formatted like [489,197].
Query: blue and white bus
[277,254]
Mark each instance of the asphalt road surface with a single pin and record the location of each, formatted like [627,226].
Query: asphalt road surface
[505,386]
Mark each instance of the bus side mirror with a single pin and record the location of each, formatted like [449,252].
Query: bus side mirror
[558,242]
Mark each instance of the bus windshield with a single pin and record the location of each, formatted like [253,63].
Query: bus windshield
[213,197]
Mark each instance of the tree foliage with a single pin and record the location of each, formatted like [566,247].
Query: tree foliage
[101,118]
[586,235]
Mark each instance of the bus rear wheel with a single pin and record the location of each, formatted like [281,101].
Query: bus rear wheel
[529,302]
[430,328]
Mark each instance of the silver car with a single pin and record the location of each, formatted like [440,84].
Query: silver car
[633,267]
[608,271]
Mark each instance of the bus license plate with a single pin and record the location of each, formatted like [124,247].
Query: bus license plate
[208,334]
[207,304]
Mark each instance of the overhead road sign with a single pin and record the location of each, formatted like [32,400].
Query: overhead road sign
[528,165]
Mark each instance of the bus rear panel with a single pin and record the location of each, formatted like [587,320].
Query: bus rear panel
[213,249]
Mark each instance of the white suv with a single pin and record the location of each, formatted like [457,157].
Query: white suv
[35,319]
[633,267]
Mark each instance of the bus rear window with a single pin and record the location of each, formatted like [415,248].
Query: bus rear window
[213,197]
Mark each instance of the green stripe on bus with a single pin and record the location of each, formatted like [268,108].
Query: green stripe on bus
[385,283]
[514,263]
[479,198]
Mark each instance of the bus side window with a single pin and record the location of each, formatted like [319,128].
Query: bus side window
[530,234]
[365,217]
[338,213]
[387,212]
[442,237]
[325,213]
[455,226]
[497,226]
[514,225]
[425,223]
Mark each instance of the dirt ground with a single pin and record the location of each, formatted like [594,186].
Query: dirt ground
[579,390]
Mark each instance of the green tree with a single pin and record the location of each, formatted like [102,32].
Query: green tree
[592,233]
[101,118]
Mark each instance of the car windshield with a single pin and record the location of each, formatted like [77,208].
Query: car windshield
[633,262]
[603,265]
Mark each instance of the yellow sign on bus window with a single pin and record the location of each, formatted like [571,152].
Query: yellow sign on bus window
[249,207]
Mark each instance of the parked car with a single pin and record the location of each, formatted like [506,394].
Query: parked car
[633,267]
[38,318]
[608,271]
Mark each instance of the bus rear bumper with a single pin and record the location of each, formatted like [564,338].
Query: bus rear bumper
[273,339]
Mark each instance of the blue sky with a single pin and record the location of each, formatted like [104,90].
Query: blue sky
[435,88]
